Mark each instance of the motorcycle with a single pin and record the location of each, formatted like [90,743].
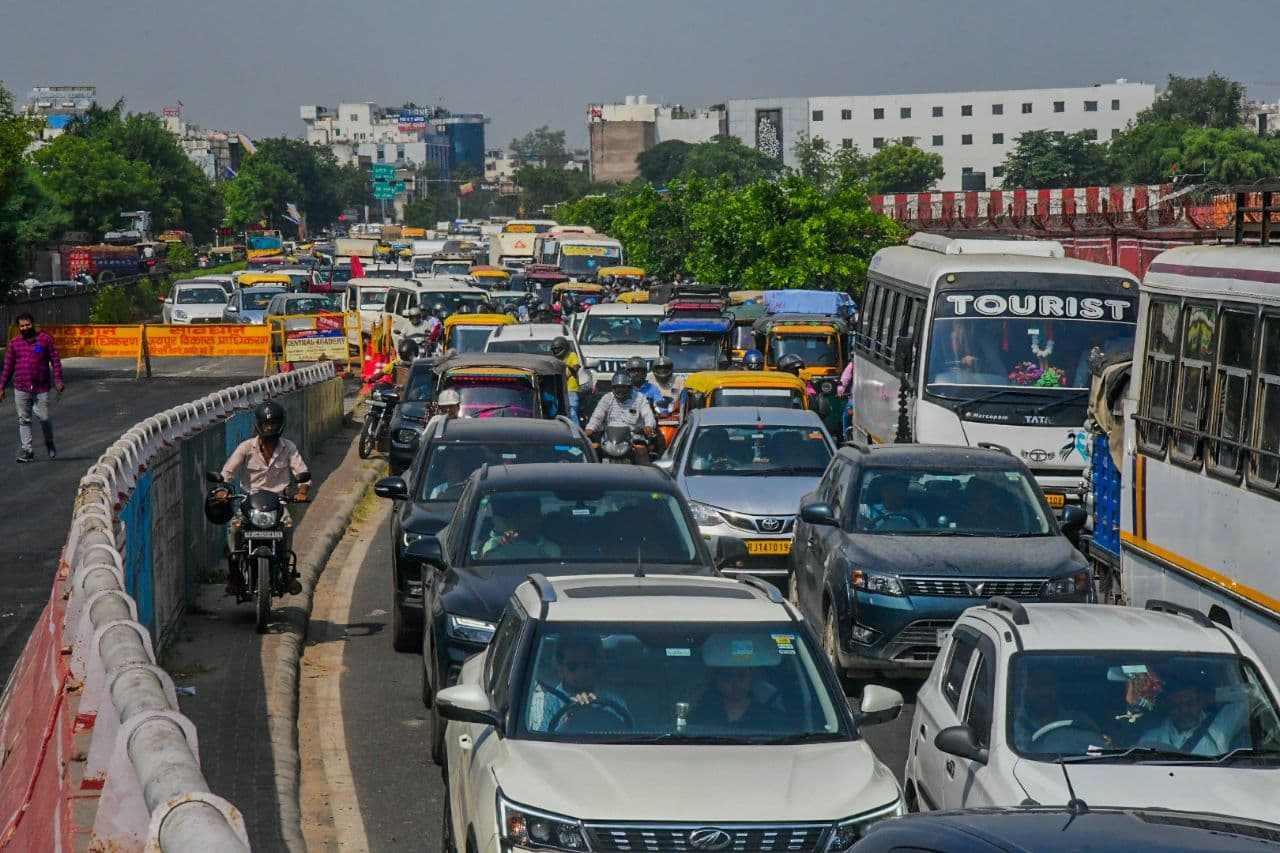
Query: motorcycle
[377,421]
[265,568]
[619,443]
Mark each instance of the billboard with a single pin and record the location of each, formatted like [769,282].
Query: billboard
[769,133]
[413,120]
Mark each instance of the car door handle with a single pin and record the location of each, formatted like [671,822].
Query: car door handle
[951,767]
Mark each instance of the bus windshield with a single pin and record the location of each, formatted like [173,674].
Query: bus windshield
[1033,341]
[581,261]
[817,350]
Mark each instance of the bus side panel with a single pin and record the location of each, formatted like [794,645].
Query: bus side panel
[875,400]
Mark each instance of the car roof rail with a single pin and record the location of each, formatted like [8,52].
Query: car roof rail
[775,595]
[546,592]
[991,445]
[1013,608]
[1159,605]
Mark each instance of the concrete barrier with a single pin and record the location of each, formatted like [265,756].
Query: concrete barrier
[94,751]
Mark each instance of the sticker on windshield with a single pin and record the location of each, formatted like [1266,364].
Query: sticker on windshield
[742,649]
[815,436]
[1012,476]
[678,653]
[785,643]
[1134,669]
[573,451]
[576,511]
[508,456]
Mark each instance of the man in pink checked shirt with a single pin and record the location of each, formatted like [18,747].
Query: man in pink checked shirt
[30,363]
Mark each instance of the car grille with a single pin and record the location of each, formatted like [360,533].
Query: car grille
[918,642]
[668,837]
[974,587]
[760,524]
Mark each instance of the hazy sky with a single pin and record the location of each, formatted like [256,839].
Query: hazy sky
[248,66]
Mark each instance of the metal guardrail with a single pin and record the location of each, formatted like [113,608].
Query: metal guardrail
[143,748]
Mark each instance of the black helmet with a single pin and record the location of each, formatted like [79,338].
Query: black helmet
[408,350]
[791,363]
[559,346]
[753,359]
[268,417]
[620,383]
[218,510]
[663,366]
[637,364]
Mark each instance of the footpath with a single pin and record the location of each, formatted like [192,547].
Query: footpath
[240,688]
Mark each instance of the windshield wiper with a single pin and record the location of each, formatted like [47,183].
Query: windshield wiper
[965,402]
[1135,753]
[501,408]
[1061,401]
[675,737]
[1248,752]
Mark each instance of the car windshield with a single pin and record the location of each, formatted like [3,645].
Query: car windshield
[690,353]
[919,501]
[534,346]
[582,525]
[495,398]
[256,300]
[582,261]
[403,273]
[470,338]
[372,298]
[420,384]
[315,305]
[775,398]
[640,329]
[341,274]
[451,268]
[667,682]
[1129,704]
[451,464]
[816,350]
[202,296]
[1008,341]
[450,300]
[753,450]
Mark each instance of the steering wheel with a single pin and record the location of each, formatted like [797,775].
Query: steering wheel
[896,516]
[721,465]
[1085,726]
[614,709]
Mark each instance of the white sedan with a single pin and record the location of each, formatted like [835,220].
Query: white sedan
[194,303]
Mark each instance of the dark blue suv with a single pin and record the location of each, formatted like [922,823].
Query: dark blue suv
[897,540]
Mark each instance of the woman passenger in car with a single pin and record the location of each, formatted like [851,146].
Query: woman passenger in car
[731,699]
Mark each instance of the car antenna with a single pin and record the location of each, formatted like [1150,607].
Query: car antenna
[1075,805]
[639,563]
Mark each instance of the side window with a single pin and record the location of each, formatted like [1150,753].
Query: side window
[1199,324]
[840,488]
[884,330]
[962,648]
[454,533]
[1264,466]
[978,715]
[1229,419]
[867,319]
[502,649]
[1158,379]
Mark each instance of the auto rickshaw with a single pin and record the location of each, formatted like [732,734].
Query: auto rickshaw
[249,279]
[634,297]
[470,332]
[585,294]
[821,340]
[695,343]
[505,385]
[623,276]
[490,278]
[708,388]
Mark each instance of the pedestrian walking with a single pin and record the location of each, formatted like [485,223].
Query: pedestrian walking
[31,363]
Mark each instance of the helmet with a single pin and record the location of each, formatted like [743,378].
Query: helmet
[414,313]
[408,350]
[448,397]
[464,308]
[268,417]
[753,360]
[637,364]
[559,346]
[791,363]
[439,310]
[663,366]
[218,510]
[621,385]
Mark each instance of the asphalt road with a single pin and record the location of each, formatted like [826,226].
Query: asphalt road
[387,729]
[102,400]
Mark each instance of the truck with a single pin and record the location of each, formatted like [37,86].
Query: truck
[360,247]
[514,244]
[263,244]
[103,262]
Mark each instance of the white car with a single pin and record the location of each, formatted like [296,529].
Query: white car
[1116,706]
[611,333]
[658,712]
[194,302]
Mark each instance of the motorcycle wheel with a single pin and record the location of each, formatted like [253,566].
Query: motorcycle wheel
[262,594]
[368,436]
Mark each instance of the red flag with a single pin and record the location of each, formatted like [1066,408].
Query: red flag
[357,269]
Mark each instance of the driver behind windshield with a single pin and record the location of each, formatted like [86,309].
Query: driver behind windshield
[1042,723]
[1193,725]
[886,504]
[578,665]
[518,521]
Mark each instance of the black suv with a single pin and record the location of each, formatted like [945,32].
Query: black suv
[509,522]
[425,499]
[897,540]
[411,416]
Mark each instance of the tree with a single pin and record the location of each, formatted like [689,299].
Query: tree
[1139,154]
[420,212]
[1212,101]
[542,146]
[726,158]
[828,167]
[654,224]
[1043,160]
[596,211]
[902,168]
[1225,156]
[22,199]
[94,183]
[664,162]
[259,193]
[546,186]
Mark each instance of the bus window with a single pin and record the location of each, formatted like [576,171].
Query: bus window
[1230,417]
[1265,470]
[1199,325]
[1162,353]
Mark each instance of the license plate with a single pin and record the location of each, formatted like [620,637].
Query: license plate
[264,534]
[1056,501]
[769,546]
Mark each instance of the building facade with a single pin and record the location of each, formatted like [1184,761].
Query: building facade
[621,132]
[59,105]
[973,131]
[409,135]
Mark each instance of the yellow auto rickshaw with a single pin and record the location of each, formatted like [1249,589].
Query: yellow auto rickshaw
[583,293]
[505,384]
[708,388]
[251,279]
[634,297]
[490,278]
[470,332]
[623,275]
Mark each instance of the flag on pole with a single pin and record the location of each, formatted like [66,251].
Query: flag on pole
[466,189]
[294,215]
[357,269]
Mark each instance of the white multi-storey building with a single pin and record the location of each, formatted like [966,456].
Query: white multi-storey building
[364,130]
[973,131]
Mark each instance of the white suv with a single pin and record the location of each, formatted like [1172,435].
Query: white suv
[1116,706]
[664,712]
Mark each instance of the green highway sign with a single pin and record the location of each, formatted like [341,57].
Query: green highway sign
[384,172]
[384,191]
[398,186]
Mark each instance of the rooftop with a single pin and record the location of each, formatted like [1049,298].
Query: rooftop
[665,598]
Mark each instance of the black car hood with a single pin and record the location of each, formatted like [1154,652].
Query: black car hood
[483,592]
[964,556]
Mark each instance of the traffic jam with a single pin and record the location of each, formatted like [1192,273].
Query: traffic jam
[954,510]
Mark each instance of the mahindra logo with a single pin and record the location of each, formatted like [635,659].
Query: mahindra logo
[1037,455]
[978,589]
[709,838]
[771,525]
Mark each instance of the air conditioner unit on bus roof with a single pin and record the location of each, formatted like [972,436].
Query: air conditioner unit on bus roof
[950,246]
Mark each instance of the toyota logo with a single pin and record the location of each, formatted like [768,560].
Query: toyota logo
[771,525]
[709,838]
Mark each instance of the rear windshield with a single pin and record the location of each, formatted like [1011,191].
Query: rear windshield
[451,464]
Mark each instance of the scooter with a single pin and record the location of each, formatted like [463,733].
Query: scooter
[619,443]
[377,421]
[265,568]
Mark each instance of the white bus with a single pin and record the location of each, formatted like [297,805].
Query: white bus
[993,338]
[1201,477]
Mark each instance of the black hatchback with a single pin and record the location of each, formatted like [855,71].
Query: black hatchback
[425,498]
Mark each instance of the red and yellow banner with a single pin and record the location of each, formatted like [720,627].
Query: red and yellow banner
[232,339]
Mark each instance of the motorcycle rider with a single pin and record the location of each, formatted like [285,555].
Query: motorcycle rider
[265,462]
[794,364]
[560,349]
[638,370]
[753,359]
[663,377]
[623,407]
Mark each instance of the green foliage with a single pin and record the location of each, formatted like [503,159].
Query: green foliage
[654,225]
[1226,156]
[93,182]
[1042,160]
[259,193]
[1139,155]
[111,305]
[180,256]
[420,213]
[542,146]
[597,211]
[546,186]
[829,167]
[29,216]
[900,167]
[289,170]
[1212,101]
[727,158]
[664,162]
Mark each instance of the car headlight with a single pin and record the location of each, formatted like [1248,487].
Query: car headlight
[470,630]
[539,830]
[406,436]
[705,516]
[848,832]
[263,519]
[1076,583]
[179,314]
[875,582]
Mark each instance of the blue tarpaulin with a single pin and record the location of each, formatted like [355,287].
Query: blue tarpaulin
[807,302]
[718,325]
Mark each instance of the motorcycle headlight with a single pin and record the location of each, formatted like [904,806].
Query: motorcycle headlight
[848,832]
[1066,586]
[470,630]
[616,448]
[704,515]
[875,582]
[539,830]
[263,519]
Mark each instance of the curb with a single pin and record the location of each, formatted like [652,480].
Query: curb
[357,475]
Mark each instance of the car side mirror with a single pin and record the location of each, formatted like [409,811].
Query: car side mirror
[666,466]
[818,513]
[164,300]
[731,553]
[467,703]
[426,549]
[903,349]
[878,705]
[959,741]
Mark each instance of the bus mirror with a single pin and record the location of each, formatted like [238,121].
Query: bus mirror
[903,347]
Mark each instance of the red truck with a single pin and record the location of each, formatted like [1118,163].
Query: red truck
[103,262]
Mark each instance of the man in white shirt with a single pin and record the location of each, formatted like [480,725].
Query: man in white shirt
[1191,725]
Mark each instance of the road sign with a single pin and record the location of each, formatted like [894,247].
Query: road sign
[384,172]
[384,191]
[398,186]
